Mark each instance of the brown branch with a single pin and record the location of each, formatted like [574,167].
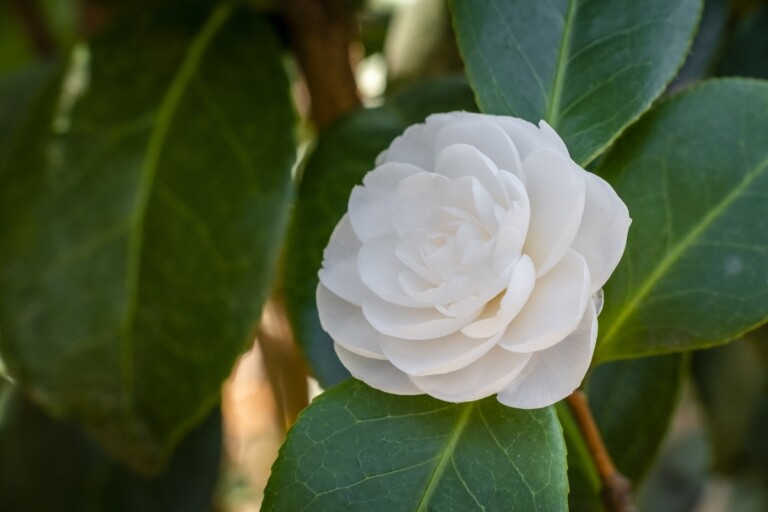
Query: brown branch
[283,363]
[320,37]
[35,26]
[617,489]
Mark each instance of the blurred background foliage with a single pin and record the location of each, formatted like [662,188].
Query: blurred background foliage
[705,415]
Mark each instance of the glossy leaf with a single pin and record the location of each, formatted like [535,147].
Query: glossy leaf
[344,153]
[588,68]
[356,448]
[18,92]
[694,174]
[745,53]
[51,466]
[633,402]
[141,213]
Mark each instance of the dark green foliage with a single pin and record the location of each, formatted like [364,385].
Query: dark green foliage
[694,174]
[141,210]
[357,448]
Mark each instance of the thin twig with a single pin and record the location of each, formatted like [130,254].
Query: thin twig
[617,489]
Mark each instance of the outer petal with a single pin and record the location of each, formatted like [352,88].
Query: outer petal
[554,373]
[525,135]
[440,355]
[370,206]
[487,376]
[411,323]
[417,144]
[551,139]
[339,272]
[494,320]
[484,135]
[556,190]
[602,235]
[378,374]
[346,324]
[554,308]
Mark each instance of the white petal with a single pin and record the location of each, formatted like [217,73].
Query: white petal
[495,320]
[460,160]
[486,376]
[554,373]
[417,144]
[440,355]
[554,308]
[379,269]
[415,198]
[339,272]
[411,323]
[551,139]
[602,235]
[555,188]
[377,374]
[345,323]
[408,252]
[526,136]
[484,135]
[370,205]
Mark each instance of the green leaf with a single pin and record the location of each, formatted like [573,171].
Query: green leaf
[745,53]
[344,153]
[356,448]
[694,174]
[18,92]
[141,212]
[588,68]
[633,402]
[52,467]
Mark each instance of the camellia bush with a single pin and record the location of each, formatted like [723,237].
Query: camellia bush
[503,271]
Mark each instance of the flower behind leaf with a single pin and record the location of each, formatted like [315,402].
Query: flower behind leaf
[467,264]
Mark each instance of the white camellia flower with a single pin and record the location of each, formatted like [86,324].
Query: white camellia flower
[469,264]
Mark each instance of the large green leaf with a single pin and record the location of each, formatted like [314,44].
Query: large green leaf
[694,174]
[50,466]
[588,68]
[344,153]
[633,402]
[356,448]
[141,211]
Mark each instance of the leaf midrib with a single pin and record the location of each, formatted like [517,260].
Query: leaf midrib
[677,251]
[157,138]
[553,111]
[445,456]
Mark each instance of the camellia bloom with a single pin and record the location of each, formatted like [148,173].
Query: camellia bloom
[470,262]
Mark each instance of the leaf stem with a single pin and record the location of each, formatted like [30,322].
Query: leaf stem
[617,489]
